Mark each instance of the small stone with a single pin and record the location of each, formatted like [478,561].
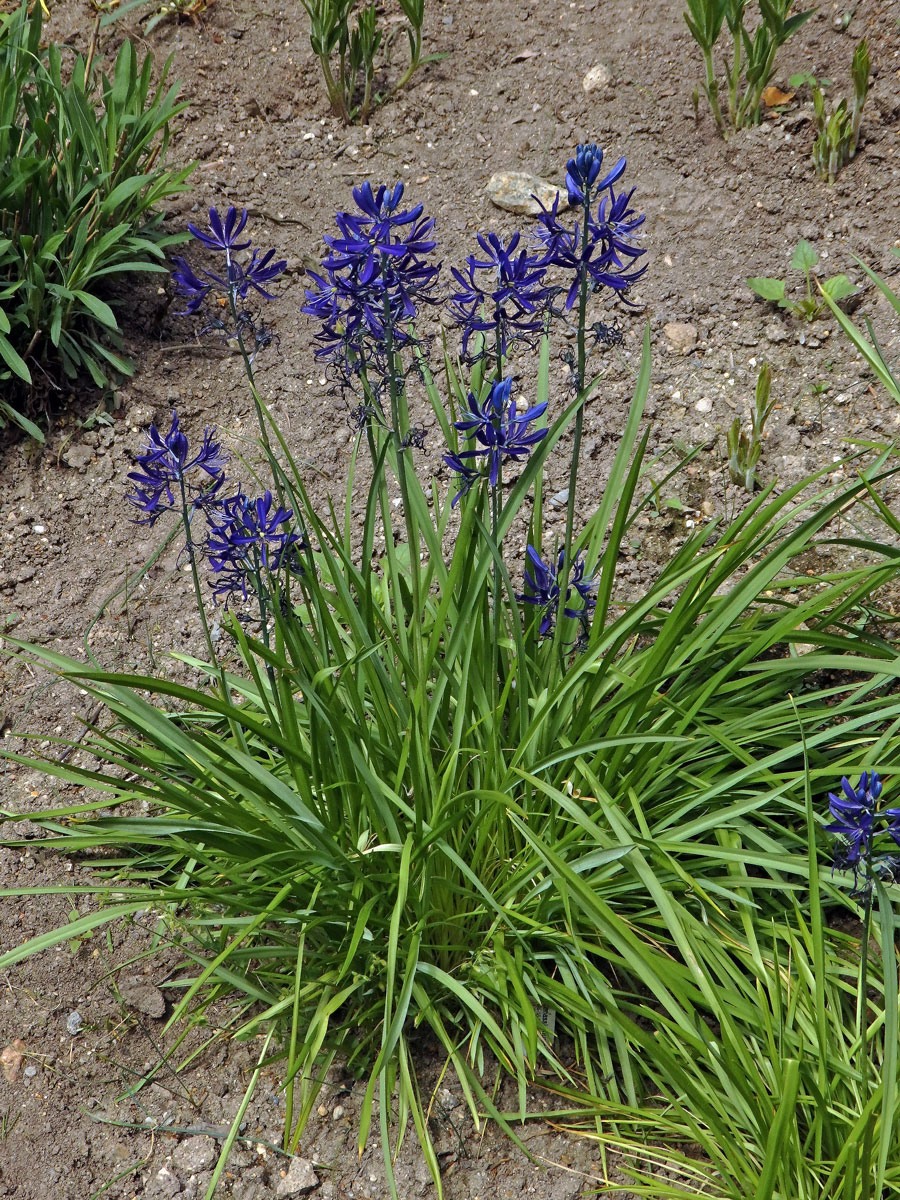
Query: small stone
[143,996]
[776,333]
[338,1112]
[515,191]
[560,499]
[322,1110]
[74,1023]
[78,457]
[195,1153]
[299,1178]
[681,336]
[39,529]
[707,508]
[597,78]
[704,405]
[31,1071]
[11,1060]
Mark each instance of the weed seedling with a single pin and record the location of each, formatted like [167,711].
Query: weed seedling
[745,445]
[811,305]
[752,57]
[838,135]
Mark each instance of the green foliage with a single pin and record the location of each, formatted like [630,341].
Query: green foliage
[869,347]
[80,178]
[745,445]
[394,817]
[811,306]
[752,57]
[838,135]
[350,86]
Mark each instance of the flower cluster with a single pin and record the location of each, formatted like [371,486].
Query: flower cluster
[237,280]
[372,281]
[543,581]
[509,307]
[250,538]
[168,477]
[599,246]
[501,431]
[858,827]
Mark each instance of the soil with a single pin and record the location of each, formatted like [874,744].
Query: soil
[507,96]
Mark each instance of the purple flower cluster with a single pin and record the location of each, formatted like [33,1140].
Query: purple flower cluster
[599,245]
[372,281]
[250,539]
[543,581]
[858,826]
[510,305]
[166,468]
[500,431]
[246,539]
[237,279]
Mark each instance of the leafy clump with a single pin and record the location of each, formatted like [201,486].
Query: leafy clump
[838,132]
[745,445]
[752,57]
[805,259]
[79,178]
[347,55]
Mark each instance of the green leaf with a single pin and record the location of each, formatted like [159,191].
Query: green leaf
[768,288]
[838,288]
[805,257]
[13,360]
[98,308]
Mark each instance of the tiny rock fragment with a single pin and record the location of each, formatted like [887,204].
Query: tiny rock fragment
[681,336]
[195,1154]
[137,993]
[773,96]
[11,1060]
[299,1178]
[523,55]
[776,333]
[597,78]
[338,1112]
[74,1022]
[515,192]
[704,405]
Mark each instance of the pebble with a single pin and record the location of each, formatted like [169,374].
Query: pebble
[338,1112]
[704,405]
[776,333]
[299,1178]
[515,192]
[560,499]
[195,1153]
[597,78]
[681,336]
[74,1022]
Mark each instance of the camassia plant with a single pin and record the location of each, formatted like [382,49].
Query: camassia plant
[440,776]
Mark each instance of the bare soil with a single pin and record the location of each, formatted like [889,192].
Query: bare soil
[108,1109]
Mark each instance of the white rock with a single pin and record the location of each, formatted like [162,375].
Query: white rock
[597,78]
[300,1178]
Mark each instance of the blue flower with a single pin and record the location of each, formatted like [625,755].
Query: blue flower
[236,280]
[167,461]
[190,285]
[543,583]
[583,170]
[606,255]
[467,476]
[511,304]
[372,280]
[250,538]
[499,428]
[223,235]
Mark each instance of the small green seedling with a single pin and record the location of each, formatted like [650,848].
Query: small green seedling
[812,305]
[745,445]
[838,136]
[752,55]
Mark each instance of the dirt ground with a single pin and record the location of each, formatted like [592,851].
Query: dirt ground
[99,1108]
